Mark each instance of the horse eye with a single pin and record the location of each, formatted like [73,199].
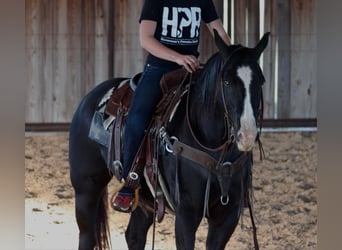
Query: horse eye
[226,82]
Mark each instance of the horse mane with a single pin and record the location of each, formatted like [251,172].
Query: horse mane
[209,80]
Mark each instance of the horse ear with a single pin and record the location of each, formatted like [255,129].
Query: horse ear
[221,45]
[259,48]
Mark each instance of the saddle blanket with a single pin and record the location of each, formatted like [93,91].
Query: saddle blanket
[101,122]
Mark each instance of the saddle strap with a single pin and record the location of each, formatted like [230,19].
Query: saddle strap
[153,178]
[255,239]
[110,153]
[117,134]
[193,154]
[114,145]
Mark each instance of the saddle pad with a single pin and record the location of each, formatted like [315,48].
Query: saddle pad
[99,128]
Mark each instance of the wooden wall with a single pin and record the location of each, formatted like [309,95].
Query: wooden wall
[69,49]
[303,91]
[72,45]
[290,61]
[128,55]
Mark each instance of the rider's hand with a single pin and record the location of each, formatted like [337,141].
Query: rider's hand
[190,63]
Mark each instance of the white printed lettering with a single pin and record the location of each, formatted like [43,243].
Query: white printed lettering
[196,21]
[176,20]
[170,22]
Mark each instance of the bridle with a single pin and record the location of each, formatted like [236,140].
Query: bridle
[229,127]
[228,124]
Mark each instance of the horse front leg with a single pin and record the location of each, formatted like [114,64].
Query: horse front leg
[220,230]
[186,224]
[136,232]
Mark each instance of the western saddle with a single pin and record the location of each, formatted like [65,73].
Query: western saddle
[173,86]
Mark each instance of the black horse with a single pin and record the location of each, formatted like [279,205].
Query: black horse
[219,117]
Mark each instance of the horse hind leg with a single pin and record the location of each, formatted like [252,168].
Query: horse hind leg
[85,220]
[91,210]
[138,226]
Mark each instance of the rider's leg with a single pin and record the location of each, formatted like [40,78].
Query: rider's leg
[146,97]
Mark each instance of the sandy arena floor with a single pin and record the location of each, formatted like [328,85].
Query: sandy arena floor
[285,189]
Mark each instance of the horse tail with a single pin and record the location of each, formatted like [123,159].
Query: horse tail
[102,227]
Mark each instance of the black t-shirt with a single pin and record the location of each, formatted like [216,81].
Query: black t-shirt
[178,25]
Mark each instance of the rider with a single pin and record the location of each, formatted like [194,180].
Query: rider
[169,31]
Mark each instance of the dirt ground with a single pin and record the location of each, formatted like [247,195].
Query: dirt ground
[285,190]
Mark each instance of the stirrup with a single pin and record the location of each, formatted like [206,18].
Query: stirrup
[123,203]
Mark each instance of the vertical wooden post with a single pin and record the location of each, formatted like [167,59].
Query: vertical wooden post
[268,61]
[128,54]
[207,45]
[240,13]
[229,18]
[303,60]
[283,57]
[87,44]
[253,22]
[110,38]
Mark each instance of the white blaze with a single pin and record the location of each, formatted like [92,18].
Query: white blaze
[248,130]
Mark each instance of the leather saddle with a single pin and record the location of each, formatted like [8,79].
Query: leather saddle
[122,97]
[172,85]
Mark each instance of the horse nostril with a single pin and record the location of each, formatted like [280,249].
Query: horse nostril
[240,136]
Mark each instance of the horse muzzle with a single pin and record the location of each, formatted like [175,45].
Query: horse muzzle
[246,139]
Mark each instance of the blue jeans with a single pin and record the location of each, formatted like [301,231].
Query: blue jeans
[146,97]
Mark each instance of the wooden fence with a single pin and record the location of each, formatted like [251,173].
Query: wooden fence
[72,45]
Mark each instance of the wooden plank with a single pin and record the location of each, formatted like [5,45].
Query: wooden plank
[103,43]
[110,37]
[267,123]
[129,57]
[75,87]
[253,22]
[240,13]
[87,45]
[229,18]
[47,76]
[246,22]
[45,59]
[68,54]
[207,45]
[60,107]
[268,60]
[303,60]
[283,57]
[32,20]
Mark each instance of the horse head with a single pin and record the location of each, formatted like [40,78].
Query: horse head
[241,80]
